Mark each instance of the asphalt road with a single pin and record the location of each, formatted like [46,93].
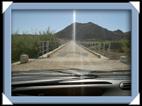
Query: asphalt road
[72,56]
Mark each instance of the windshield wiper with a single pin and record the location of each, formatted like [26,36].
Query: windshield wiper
[48,72]
[112,72]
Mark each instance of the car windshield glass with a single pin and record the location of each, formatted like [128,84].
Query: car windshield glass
[70,43]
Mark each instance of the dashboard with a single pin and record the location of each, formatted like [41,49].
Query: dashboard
[72,85]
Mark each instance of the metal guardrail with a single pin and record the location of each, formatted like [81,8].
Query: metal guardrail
[93,52]
[51,52]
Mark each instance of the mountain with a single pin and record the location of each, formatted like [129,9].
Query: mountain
[125,35]
[118,31]
[86,31]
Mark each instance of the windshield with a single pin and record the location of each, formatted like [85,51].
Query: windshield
[71,52]
[71,43]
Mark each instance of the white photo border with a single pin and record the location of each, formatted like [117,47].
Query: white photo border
[71,99]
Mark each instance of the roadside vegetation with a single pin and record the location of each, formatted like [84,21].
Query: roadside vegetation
[112,49]
[29,44]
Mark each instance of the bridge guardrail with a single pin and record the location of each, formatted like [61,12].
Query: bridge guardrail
[93,52]
[51,52]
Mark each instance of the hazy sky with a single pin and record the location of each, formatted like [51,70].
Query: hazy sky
[36,20]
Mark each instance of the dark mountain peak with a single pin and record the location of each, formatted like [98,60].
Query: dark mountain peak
[90,23]
[85,24]
[90,30]
[118,31]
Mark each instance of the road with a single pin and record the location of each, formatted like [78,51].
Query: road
[72,56]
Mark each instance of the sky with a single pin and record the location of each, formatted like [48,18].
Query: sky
[33,21]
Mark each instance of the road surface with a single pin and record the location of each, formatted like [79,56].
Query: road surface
[72,56]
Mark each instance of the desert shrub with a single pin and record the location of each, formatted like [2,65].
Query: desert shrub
[29,44]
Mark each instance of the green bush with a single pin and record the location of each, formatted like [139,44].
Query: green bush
[29,44]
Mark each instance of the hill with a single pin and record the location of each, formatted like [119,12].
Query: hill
[86,31]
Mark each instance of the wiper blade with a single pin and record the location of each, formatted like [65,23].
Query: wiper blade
[53,72]
[41,81]
[118,72]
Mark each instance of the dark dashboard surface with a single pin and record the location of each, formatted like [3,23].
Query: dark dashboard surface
[71,83]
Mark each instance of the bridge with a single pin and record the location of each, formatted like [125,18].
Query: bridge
[71,56]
